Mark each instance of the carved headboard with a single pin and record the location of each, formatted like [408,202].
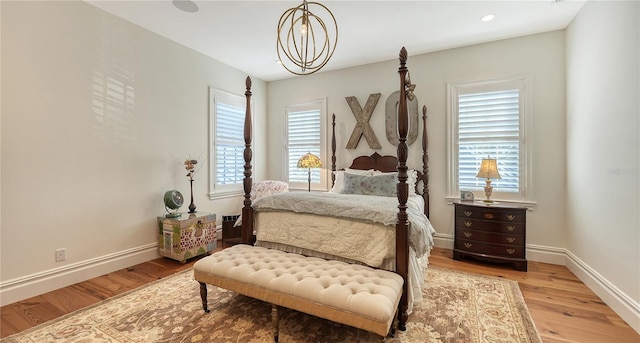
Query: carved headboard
[387,163]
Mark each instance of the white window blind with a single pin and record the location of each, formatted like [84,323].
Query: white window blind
[303,137]
[489,126]
[226,152]
[229,144]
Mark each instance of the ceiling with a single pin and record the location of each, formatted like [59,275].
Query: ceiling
[242,34]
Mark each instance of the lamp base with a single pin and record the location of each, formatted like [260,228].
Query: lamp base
[488,189]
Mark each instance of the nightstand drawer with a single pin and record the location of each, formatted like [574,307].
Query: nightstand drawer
[488,213]
[488,225]
[490,237]
[500,250]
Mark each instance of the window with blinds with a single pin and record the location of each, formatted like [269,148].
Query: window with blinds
[227,142]
[489,126]
[305,133]
[488,118]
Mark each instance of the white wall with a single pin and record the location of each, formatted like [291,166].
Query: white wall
[603,152]
[540,55]
[88,179]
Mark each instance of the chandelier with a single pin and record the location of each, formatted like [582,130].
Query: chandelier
[305,41]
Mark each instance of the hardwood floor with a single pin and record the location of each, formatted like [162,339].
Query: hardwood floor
[563,308]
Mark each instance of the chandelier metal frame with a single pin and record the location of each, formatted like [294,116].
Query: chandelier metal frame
[302,44]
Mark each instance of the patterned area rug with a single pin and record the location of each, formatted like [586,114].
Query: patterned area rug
[458,307]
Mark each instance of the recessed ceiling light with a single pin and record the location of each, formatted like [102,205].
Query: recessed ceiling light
[186,5]
[488,17]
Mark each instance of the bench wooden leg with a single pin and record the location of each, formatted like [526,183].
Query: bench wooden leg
[394,325]
[403,315]
[275,319]
[203,295]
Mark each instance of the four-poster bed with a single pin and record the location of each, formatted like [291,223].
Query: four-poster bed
[403,238]
[360,290]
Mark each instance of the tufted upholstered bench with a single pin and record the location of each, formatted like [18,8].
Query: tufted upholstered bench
[350,294]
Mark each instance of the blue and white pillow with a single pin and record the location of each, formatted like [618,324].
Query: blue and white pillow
[382,185]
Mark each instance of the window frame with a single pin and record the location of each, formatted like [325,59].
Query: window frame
[313,104]
[523,82]
[220,191]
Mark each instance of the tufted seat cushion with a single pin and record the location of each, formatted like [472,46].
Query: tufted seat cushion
[351,294]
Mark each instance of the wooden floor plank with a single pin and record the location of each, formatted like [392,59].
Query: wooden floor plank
[564,310]
[68,299]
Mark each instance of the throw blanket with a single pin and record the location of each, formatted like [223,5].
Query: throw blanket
[366,208]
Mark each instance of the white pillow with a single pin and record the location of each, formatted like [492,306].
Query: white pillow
[339,179]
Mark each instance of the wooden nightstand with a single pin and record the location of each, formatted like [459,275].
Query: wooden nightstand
[493,232]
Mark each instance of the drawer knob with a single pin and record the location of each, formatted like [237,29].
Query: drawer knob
[488,215]
[511,227]
[511,251]
[467,234]
[468,224]
[468,213]
[511,217]
[468,245]
[511,239]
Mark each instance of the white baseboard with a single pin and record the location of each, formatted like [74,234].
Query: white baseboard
[551,255]
[49,280]
[621,303]
[443,241]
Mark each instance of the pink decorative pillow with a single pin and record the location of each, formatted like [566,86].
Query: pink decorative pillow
[263,188]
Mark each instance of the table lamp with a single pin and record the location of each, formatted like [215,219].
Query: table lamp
[309,161]
[488,170]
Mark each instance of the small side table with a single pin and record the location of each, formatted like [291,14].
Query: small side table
[493,232]
[187,236]
[229,231]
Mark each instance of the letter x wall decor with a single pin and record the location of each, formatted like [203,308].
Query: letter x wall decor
[362,125]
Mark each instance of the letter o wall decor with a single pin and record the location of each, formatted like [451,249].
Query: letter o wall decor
[391,119]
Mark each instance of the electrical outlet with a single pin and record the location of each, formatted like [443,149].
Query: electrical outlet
[61,254]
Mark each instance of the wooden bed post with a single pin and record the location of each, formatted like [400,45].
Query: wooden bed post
[402,236]
[333,150]
[425,162]
[247,236]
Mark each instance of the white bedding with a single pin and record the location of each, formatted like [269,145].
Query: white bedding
[331,226]
[365,242]
[357,208]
